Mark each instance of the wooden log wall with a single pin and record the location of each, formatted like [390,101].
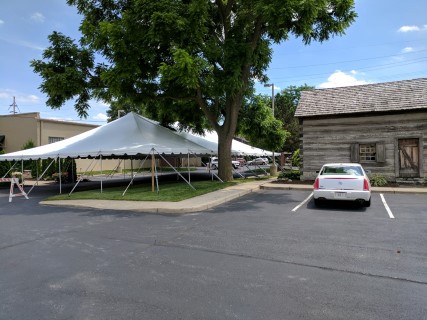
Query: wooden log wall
[326,140]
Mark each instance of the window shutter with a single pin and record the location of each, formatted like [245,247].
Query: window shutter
[380,152]
[354,152]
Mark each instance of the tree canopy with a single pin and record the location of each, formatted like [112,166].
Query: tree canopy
[192,61]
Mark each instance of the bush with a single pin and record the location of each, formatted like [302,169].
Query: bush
[292,175]
[378,181]
[296,159]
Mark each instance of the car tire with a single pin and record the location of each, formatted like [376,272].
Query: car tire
[367,203]
[317,202]
[214,167]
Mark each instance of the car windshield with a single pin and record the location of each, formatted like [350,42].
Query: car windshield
[342,170]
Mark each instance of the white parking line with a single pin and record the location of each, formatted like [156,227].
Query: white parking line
[387,207]
[302,203]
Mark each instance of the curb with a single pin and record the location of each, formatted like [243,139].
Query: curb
[276,186]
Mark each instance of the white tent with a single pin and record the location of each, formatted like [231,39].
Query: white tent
[210,141]
[130,135]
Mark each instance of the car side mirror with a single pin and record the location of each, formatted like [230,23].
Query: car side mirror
[368,171]
[317,171]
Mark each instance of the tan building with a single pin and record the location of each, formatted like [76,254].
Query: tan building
[18,129]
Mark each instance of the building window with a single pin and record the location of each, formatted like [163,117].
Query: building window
[367,153]
[55,139]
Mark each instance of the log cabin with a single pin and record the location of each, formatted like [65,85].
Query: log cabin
[382,126]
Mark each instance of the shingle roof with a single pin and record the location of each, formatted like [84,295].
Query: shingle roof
[379,97]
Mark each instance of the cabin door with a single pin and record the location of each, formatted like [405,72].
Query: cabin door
[409,155]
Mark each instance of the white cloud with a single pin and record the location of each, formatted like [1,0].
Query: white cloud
[101,117]
[407,49]
[408,28]
[1,21]
[37,17]
[342,79]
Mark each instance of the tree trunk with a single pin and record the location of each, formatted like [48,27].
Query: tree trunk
[225,169]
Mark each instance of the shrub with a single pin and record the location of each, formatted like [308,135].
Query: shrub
[296,159]
[378,181]
[292,175]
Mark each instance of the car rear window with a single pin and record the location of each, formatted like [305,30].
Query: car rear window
[342,170]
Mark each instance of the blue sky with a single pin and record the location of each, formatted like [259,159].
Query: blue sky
[388,42]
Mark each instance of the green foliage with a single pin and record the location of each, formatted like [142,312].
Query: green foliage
[378,180]
[28,145]
[286,103]
[292,175]
[192,61]
[258,125]
[4,166]
[296,158]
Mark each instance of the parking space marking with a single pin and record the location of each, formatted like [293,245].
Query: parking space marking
[387,207]
[302,203]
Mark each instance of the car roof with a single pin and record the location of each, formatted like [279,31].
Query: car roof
[342,164]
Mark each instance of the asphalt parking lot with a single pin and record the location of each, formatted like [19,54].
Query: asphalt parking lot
[267,255]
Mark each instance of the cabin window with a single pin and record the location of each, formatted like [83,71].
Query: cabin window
[55,139]
[367,153]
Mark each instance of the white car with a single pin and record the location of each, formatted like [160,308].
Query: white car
[342,181]
[214,163]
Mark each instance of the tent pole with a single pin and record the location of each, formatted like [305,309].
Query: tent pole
[39,177]
[10,169]
[176,171]
[131,180]
[131,168]
[152,171]
[188,166]
[60,175]
[101,172]
[81,177]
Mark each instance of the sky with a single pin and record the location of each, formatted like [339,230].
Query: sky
[387,42]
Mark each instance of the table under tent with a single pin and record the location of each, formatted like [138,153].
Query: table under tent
[130,137]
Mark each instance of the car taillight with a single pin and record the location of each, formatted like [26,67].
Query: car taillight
[316,184]
[366,185]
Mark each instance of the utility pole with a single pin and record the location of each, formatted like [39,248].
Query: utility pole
[14,106]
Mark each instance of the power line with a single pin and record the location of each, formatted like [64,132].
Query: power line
[345,61]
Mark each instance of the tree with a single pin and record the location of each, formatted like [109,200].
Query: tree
[286,103]
[259,127]
[192,60]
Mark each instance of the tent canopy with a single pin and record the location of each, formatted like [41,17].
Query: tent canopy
[131,135]
[127,136]
[210,141]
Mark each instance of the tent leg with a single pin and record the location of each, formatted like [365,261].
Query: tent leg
[60,175]
[81,177]
[188,166]
[152,171]
[133,177]
[176,171]
[41,176]
[101,172]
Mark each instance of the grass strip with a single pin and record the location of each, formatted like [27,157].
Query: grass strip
[168,191]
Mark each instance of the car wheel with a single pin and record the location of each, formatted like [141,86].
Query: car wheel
[367,203]
[317,202]
[214,167]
